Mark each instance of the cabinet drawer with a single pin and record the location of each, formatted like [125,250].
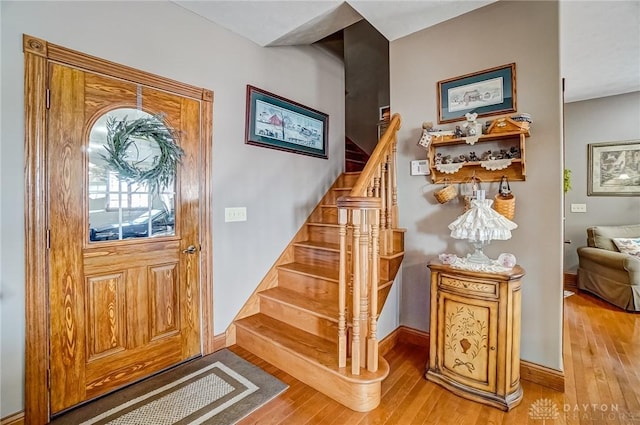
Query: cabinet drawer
[467,286]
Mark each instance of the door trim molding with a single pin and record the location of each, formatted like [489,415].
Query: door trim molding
[37,54]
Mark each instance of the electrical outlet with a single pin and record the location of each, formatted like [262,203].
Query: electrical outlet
[235,214]
[578,208]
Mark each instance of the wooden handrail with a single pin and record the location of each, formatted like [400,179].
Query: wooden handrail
[377,157]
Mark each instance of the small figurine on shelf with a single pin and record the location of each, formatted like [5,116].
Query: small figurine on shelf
[487,156]
[460,158]
[447,159]
[514,152]
[458,133]
[438,159]
[473,157]
[472,128]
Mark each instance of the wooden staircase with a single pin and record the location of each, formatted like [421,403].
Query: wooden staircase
[355,158]
[314,315]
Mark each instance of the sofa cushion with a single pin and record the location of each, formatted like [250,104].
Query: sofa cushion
[629,246]
[602,236]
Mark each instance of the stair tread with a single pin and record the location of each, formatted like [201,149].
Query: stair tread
[311,270]
[308,345]
[314,223]
[327,246]
[304,344]
[324,307]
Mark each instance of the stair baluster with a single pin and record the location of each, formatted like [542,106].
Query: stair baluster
[370,212]
[346,256]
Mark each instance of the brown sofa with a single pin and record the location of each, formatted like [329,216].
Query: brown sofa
[608,273]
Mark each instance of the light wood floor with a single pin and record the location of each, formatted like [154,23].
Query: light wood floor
[602,380]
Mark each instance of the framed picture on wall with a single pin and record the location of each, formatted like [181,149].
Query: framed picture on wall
[614,169]
[278,123]
[488,92]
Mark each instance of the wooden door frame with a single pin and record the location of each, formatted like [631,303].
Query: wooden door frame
[38,54]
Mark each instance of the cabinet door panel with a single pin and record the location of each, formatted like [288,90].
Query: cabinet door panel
[469,335]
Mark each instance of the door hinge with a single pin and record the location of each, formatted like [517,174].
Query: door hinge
[48,99]
[48,238]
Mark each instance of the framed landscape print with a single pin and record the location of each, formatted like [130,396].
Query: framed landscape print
[278,123]
[488,92]
[614,169]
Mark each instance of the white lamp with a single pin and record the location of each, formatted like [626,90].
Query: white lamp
[481,224]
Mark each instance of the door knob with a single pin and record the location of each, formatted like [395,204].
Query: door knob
[191,249]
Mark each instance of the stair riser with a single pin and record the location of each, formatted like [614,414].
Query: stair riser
[323,234]
[353,165]
[317,257]
[389,267]
[309,285]
[361,397]
[398,241]
[334,194]
[329,215]
[299,318]
[348,180]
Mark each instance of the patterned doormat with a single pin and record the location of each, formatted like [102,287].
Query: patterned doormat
[221,388]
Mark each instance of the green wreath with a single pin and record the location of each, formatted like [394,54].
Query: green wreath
[122,135]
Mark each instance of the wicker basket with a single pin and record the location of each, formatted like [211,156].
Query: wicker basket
[505,205]
[446,194]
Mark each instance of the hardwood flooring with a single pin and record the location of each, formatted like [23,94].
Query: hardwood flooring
[602,383]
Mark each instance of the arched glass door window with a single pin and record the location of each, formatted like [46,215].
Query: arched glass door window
[119,209]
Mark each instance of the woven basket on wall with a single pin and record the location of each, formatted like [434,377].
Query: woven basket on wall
[505,205]
[446,194]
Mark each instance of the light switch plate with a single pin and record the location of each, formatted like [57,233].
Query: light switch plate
[235,214]
[420,167]
[578,208]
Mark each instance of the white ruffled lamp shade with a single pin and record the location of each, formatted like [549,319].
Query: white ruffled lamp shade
[481,224]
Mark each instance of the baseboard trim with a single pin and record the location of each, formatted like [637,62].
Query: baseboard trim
[15,419]
[219,342]
[403,334]
[531,372]
[542,375]
[570,281]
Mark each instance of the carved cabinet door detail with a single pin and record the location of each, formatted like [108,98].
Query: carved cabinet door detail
[469,334]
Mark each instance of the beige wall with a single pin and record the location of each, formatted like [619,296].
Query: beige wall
[608,119]
[524,32]
[279,189]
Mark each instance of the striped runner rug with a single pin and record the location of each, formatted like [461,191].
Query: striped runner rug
[221,388]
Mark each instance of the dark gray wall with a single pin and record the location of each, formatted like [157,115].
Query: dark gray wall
[366,62]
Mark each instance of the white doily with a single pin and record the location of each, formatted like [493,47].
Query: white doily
[461,263]
[492,267]
[496,164]
[449,168]
[471,140]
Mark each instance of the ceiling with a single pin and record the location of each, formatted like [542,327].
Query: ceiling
[599,40]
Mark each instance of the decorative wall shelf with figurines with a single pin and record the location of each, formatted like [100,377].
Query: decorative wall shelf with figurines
[460,154]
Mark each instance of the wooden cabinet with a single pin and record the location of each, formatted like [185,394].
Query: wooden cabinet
[475,334]
[511,142]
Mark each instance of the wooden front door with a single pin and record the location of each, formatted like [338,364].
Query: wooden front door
[122,304]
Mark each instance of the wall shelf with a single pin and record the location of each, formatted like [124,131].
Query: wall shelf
[493,142]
